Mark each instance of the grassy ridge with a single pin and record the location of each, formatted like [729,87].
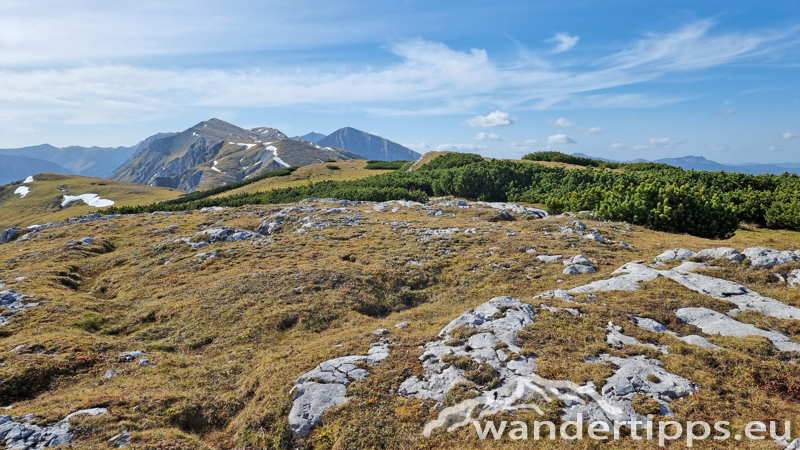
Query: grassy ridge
[660,197]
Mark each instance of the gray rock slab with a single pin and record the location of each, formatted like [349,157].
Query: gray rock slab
[577,269]
[325,386]
[549,258]
[578,259]
[729,253]
[767,257]
[678,254]
[712,322]
[632,274]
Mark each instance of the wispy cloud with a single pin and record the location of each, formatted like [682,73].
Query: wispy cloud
[658,143]
[459,147]
[426,78]
[563,42]
[725,112]
[789,136]
[595,130]
[422,146]
[562,122]
[488,137]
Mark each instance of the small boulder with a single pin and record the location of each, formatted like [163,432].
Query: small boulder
[401,325]
[578,225]
[380,332]
[578,259]
[577,269]
[130,356]
[767,257]
[9,235]
[549,258]
[595,237]
[729,253]
[679,254]
[794,278]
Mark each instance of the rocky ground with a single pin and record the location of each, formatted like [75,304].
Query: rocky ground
[338,324]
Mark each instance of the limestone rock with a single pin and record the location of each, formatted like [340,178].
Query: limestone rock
[767,257]
[9,235]
[679,254]
[731,254]
[130,356]
[631,274]
[595,236]
[577,269]
[712,322]
[578,259]
[549,258]
[794,278]
[326,386]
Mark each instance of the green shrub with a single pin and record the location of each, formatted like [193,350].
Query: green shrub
[333,167]
[385,165]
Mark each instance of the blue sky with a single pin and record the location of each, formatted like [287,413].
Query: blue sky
[622,79]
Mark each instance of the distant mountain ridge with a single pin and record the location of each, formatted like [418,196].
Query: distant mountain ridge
[209,154]
[97,162]
[311,137]
[701,163]
[368,145]
[214,153]
[18,167]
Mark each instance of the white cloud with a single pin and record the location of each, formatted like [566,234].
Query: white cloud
[725,112]
[560,139]
[595,130]
[418,147]
[459,147]
[617,145]
[488,137]
[424,78]
[691,48]
[563,42]
[789,136]
[562,122]
[493,119]
[658,143]
[530,143]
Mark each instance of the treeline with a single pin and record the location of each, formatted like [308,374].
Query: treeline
[661,197]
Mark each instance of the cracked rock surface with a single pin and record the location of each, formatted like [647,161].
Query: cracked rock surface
[712,322]
[325,386]
[20,433]
[498,321]
[12,301]
[631,274]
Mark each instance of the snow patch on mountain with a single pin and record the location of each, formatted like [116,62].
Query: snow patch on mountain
[89,199]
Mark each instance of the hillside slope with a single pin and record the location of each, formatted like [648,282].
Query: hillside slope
[368,145]
[214,153]
[45,196]
[224,324]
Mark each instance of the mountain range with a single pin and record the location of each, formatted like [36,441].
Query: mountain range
[18,167]
[97,162]
[700,163]
[368,145]
[310,137]
[214,153]
[209,154]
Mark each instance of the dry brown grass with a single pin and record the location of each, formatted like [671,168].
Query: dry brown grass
[231,335]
